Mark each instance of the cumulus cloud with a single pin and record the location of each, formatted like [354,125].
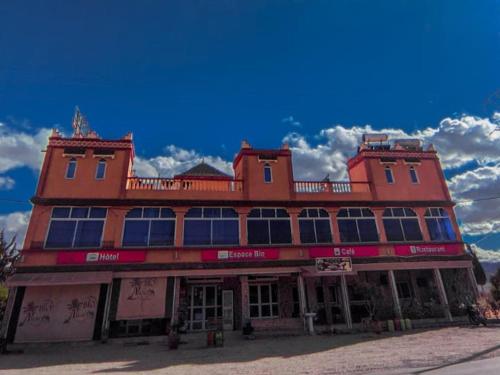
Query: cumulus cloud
[21,149]
[6,183]
[292,121]
[177,160]
[475,190]
[15,224]
[487,256]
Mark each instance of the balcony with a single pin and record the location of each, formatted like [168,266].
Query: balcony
[195,185]
[341,190]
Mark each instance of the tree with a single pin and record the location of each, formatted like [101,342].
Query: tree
[495,286]
[8,256]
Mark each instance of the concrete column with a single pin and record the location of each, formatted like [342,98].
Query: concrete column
[294,222]
[105,316]
[442,294]
[346,301]
[302,295]
[242,214]
[245,300]
[473,282]
[334,224]
[5,323]
[378,212]
[176,300]
[180,212]
[395,297]
[420,211]
[326,298]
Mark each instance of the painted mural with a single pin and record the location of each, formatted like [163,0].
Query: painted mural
[58,313]
[142,298]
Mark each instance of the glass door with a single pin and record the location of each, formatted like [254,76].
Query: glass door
[205,306]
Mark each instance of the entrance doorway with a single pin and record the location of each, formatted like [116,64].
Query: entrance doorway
[205,306]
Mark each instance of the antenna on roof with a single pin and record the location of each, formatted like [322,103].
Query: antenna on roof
[81,128]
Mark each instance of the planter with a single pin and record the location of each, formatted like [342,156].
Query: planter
[173,341]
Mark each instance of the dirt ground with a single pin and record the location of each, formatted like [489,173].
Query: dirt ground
[322,354]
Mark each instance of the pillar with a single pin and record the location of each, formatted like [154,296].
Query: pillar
[176,299]
[245,300]
[326,298]
[180,212]
[420,211]
[294,222]
[302,298]
[105,316]
[5,323]
[473,281]
[346,301]
[379,212]
[333,211]
[442,294]
[242,215]
[395,297]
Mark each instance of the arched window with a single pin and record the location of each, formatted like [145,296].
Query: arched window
[268,226]
[211,226]
[357,225]
[149,226]
[315,226]
[413,175]
[401,224]
[388,175]
[100,171]
[71,169]
[439,225]
[268,174]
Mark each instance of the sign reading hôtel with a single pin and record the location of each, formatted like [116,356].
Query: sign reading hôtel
[238,255]
[101,257]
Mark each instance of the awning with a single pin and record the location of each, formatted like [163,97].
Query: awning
[59,278]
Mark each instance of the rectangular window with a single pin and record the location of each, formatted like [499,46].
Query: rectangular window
[389,176]
[71,169]
[413,175]
[393,230]
[263,300]
[280,231]
[268,177]
[197,232]
[367,230]
[258,232]
[348,231]
[101,170]
[136,233]
[307,234]
[75,227]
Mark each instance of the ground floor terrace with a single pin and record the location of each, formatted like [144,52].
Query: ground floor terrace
[97,305]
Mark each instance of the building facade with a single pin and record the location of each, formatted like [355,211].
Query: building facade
[111,254]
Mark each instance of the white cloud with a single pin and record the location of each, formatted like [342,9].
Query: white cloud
[6,183]
[487,256]
[20,149]
[292,121]
[177,160]
[482,216]
[15,224]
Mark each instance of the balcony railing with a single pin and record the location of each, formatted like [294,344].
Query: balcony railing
[170,184]
[330,187]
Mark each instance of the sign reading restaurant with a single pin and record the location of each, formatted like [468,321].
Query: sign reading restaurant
[239,255]
[428,249]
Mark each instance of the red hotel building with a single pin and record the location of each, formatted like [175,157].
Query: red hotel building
[111,254]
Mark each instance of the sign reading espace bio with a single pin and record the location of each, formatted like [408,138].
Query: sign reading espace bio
[238,255]
[101,257]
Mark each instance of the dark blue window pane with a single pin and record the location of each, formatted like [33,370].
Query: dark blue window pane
[388,176]
[162,233]
[225,232]
[412,230]
[367,230]
[355,212]
[211,212]
[98,212]
[303,213]
[88,233]
[398,212]
[323,213]
[268,212]
[135,233]
[61,234]
[393,230]
[348,230]
[101,169]
[409,212]
[323,231]
[367,212]
[280,231]
[258,232]
[197,232]
[433,227]
[229,212]
[280,212]
[342,213]
[135,213]
[307,234]
[167,212]
[79,212]
[413,176]
[193,212]
[151,212]
[267,174]
[387,212]
[313,212]
[60,212]
[70,172]
[447,229]
[254,213]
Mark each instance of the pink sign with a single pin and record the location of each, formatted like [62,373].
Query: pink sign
[101,257]
[343,251]
[239,255]
[428,249]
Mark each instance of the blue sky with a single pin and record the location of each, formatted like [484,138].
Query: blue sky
[199,76]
